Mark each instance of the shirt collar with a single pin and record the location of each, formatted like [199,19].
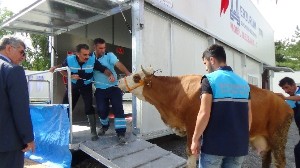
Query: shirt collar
[298,87]
[5,57]
[226,68]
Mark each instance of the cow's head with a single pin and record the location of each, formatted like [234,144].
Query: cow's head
[135,82]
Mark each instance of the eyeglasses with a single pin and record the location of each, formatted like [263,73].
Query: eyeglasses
[22,52]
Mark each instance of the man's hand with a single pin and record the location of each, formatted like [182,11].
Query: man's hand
[52,69]
[107,73]
[29,146]
[195,147]
[75,76]
[111,78]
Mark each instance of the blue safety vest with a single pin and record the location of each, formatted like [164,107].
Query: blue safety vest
[227,133]
[85,71]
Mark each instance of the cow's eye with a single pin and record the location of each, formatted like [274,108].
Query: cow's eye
[136,78]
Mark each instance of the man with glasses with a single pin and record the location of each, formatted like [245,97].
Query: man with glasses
[82,66]
[15,121]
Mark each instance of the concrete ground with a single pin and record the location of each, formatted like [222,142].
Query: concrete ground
[177,144]
[32,164]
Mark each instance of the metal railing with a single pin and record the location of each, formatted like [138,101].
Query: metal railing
[69,94]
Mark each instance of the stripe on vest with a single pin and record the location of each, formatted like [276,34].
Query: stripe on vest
[230,100]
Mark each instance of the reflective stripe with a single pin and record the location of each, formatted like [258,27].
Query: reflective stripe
[81,68]
[230,100]
[105,121]
[120,123]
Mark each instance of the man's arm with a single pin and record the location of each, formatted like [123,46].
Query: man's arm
[122,68]
[201,122]
[99,67]
[294,98]
[52,69]
[64,73]
[250,114]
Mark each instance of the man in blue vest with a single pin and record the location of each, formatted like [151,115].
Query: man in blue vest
[82,66]
[107,92]
[224,119]
[289,86]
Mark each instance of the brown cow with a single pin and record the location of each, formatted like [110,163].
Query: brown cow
[178,100]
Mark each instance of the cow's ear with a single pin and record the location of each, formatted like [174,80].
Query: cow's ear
[136,78]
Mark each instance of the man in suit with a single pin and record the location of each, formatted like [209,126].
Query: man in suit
[15,121]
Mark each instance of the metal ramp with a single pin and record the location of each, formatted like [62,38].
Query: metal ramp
[135,153]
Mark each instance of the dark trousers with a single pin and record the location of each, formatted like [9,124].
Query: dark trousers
[87,95]
[297,155]
[13,159]
[113,96]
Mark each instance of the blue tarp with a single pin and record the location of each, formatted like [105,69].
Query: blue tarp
[51,134]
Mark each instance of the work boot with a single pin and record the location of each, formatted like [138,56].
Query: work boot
[121,138]
[102,131]
[92,122]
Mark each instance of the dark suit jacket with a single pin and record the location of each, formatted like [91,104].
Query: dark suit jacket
[15,121]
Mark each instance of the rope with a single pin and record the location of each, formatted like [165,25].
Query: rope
[126,23]
[99,82]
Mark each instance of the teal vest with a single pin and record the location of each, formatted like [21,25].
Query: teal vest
[85,71]
[227,133]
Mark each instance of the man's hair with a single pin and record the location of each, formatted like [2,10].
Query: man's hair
[215,51]
[10,40]
[81,46]
[99,41]
[286,80]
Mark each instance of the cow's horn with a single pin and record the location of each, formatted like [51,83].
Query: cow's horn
[145,72]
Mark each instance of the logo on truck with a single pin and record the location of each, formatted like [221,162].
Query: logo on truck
[224,6]
[242,22]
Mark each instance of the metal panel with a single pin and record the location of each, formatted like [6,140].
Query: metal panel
[253,69]
[58,16]
[241,26]
[237,65]
[187,48]
[229,56]
[156,52]
[137,14]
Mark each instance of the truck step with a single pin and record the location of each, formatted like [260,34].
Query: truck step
[135,153]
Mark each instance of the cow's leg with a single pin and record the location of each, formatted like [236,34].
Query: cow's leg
[191,161]
[278,142]
[266,159]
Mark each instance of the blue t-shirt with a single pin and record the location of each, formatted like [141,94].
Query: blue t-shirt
[108,60]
